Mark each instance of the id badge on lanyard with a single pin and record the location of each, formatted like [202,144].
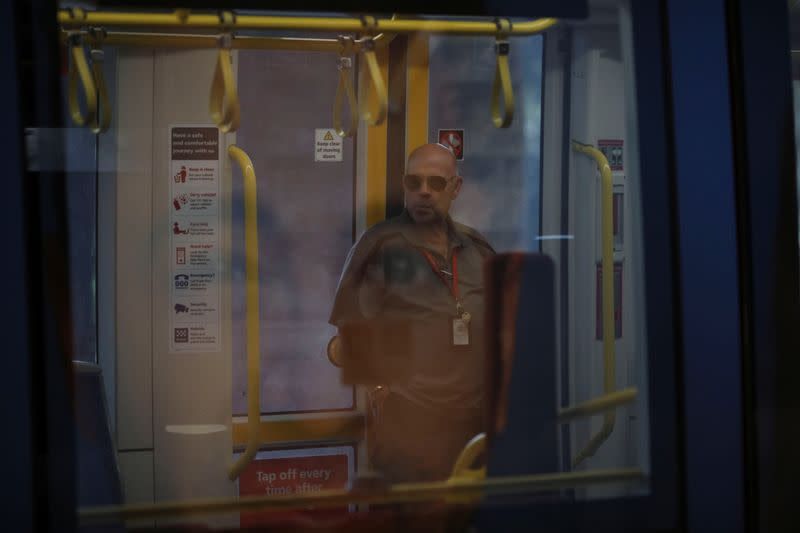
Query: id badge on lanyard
[460,332]
[459,328]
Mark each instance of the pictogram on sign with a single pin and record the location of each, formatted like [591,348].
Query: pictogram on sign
[453,139]
[328,146]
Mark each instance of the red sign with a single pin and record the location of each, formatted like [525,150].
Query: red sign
[286,473]
[453,139]
[612,149]
[617,301]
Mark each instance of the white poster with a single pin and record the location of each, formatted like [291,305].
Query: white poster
[194,177]
[328,145]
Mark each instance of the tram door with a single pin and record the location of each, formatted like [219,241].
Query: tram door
[182,387]
[589,101]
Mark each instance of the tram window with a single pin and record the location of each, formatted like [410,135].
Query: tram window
[179,401]
[501,198]
[305,228]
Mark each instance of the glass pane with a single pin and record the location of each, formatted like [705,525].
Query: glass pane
[81,185]
[305,226]
[491,320]
[502,195]
[794,28]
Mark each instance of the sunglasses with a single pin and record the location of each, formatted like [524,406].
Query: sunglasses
[413,183]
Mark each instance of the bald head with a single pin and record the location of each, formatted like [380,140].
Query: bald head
[434,171]
[435,152]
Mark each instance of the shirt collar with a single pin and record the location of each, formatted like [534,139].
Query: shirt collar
[456,238]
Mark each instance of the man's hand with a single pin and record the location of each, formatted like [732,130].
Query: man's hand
[335,351]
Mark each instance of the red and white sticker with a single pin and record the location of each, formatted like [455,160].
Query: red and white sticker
[454,139]
[617,301]
[613,150]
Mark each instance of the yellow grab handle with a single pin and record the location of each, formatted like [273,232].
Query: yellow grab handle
[463,466]
[345,88]
[101,125]
[378,85]
[609,355]
[253,332]
[502,83]
[223,102]
[79,71]
[463,472]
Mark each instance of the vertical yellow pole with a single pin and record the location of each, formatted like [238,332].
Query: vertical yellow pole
[609,356]
[253,333]
[376,144]
[417,91]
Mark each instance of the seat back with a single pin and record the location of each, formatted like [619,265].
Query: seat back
[98,471]
[521,365]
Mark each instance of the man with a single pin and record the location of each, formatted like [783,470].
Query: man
[423,268]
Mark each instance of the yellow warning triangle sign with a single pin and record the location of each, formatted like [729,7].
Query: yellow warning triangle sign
[328,136]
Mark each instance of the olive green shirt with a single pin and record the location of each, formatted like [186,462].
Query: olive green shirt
[387,276]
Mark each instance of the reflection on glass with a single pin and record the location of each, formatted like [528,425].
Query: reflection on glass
[416,282]
[473,329]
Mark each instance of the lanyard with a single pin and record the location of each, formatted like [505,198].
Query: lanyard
[452,287]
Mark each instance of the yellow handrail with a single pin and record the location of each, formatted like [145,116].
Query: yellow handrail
[223,102]
[502,81]
[345,88]
[253,333]
[399,493]
[183,20]
[463,466]
[223,85]
[597,405]
[79,71]
[104,115]
[378,85]
[463,469]
[609,355]
[241,42]
[220,90]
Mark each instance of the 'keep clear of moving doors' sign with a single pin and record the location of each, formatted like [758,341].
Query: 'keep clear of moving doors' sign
[194,177]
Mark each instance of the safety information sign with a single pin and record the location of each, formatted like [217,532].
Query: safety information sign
[296,472]
[453,139]
[194,179]
[613,150]
[327,145]
[617,301]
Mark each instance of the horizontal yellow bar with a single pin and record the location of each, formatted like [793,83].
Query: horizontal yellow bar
[210,41]
[178,40]
[407,492]
[108,19]
[597,405]
[349,427]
